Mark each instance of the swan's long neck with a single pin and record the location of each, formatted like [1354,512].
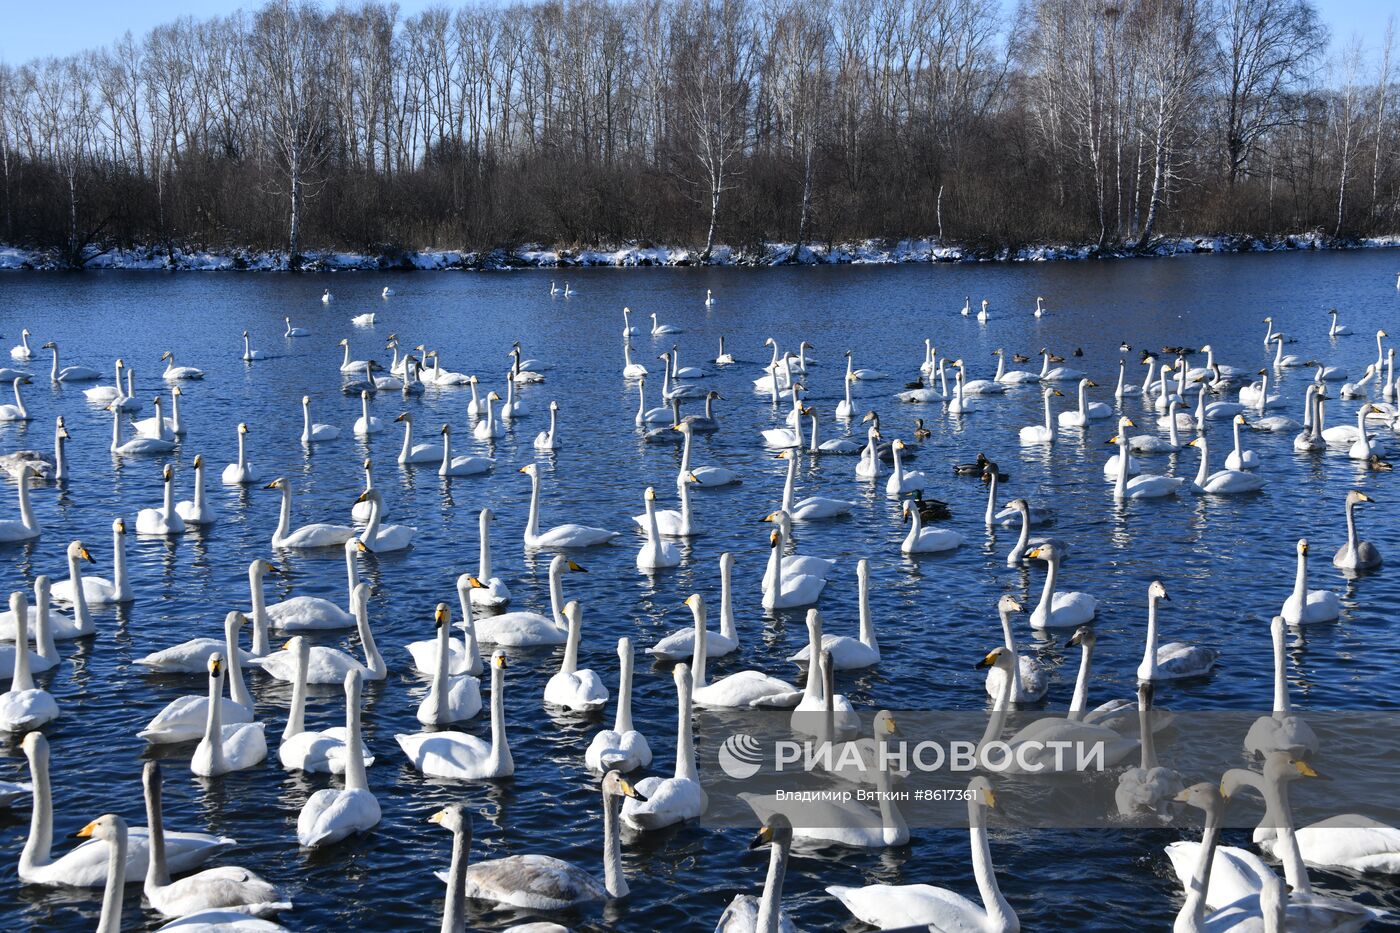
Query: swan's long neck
[1171,423]
[1147,380]
[237,688]
[653,531]
[770,904]
[284,517]
[1192,913]
[1239,449]
[996,723]
[623,722]
[157,871]
[501,761]
[867,624]
[991,499]
[198,507]
[82,618]
[1149,653]
[60,460]
[1083,400]
[1120,482]
[43,634]
[899,461]
[1300,581]
[446,451]
[1203,471]
[1118,392]
[408,441]
[114,892]
[159,420]
[1278,351]
[296,716]
[1352,540]
[169,505]
[571,645]
[1148,760]
[685,738]
[699,647]
[1052,572]
[39,845]
[790,483]
[242,451]
[374,661]
[116,428]
[892,825]
[1044,365]
[1009,639]
[23,678]
[813,447]
[532,526]
[53,373]
[1000,916]
[1282,706]
[214,723]
[473,646]
[916,526]
[685,509]
[816,689]
[454,911]
[439,689]
[614,880]
[19,401]
[1080,700]
[1276,801]
[259,605]
[1024,540]
[354,742]
[371,533]
[483,563]
[1049,421]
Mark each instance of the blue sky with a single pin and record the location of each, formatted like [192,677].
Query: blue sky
[35,29]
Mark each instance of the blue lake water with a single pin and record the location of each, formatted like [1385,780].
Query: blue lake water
[1228,563]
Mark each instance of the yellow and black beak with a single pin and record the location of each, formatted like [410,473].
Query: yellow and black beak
[438,817]
[989,660]
[87,831]
[1305,769]
[762,838]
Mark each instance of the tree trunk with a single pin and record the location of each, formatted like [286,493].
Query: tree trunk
[294,238]
[715,190]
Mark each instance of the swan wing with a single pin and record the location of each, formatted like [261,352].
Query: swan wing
[888,906]
[538,882]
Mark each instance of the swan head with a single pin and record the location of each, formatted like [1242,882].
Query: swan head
[529,470]
[898,444]
[405,417]
[1156,590]
[454,817]
[650,494]
[446,430]
[1048,552]
[691,478]
[981,791]
[62,429]
[369,495]
[1083,636]
[494,396]
[681,675]
[49,346]
[167,355]
[278,483]
[615,785]
[242,428]
[261,567]
[119,526]
[1381,333]
[1202,796]
[1089,383]
[297,645]
[1356,495]
[216,664]
[108,827]
[997,657]
[1302,547]
[441,615]
[168,473]
[1009,604]
[776,830]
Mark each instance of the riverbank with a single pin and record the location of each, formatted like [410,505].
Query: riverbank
[869,252]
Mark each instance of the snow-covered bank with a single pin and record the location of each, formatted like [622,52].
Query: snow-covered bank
[868,252]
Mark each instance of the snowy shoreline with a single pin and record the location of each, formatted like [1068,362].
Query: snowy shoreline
[868,252]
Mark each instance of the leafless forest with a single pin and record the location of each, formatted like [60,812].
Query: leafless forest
[701,122]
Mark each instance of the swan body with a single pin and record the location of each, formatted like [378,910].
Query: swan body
[621,748]
[1356,554]
[1304,606]
[222,749]
[1059,609]
[378,537]
[240,473]
[560,536]
[315,535]
[24,707]
[164,521]
[747,689]
[574,689]
[847,653]
[462,757]
[921,540]
[69,373]
[294,331]
[1221,482]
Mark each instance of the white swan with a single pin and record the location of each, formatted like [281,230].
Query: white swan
[86,865]
[1304,606]
[791,581]
[621,748]
[1058,608]
[868,466]
[1087,411]
[811,508]
[302,750]
[546,440]
[918,905]
[310,613]
[493,593]
[701,475]
[192,656]
[657,329]
[463,654]
[1240,459]
[24,707]
[655,553]
[27,528]
[463,757]
[378,537]
[1041,433]
[366,424]
[680,644]
[1175,660]
[452,697]
[1028,680]
[415,453]
[59,626]
[69,373]
[240,473]
[314,535]
[249,354]
[822,713]
[97,590]
[222,749]
[741,690]
[140,444]
[921,540]
[17,411]
[461,466]
[330,665]
[294,331]
[628,328]
[331,815]
[185,718]
[1221,482]
[579,690]
[1139,487]
[488,428]
[165,520]
[197,511]
[314,433]
[764,914]
[524,629]
[847,653]
[662,802]
[175,373]
[22,351]
[1282,730]
[226,887]
[560,536]
[901,480]
[1356,554]
[45,656]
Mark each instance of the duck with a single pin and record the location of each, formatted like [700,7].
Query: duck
[462,757]
[1059,608]
[1304,606]
[621,748]
[663,802]
[331,815]
[1174,660]
[560,536]
[574,689]
[223,749]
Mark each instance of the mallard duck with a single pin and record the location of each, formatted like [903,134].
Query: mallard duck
[930,510]
[1376,463]
[971,469]
[1020,358]
[920,431]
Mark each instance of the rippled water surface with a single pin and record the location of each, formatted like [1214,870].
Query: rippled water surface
[1228,562]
